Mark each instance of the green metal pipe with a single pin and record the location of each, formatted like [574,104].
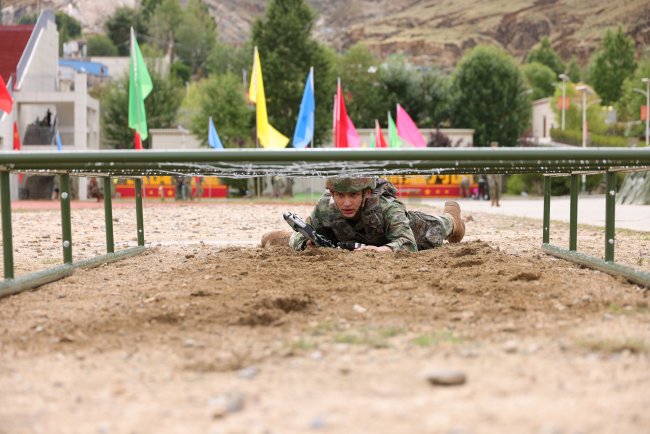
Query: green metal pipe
[66,220]
[138,211]
[7,237]
[328,154]
[38,278]
[547,210]
[610,216]
[108,215]
[573,213]
[635,276]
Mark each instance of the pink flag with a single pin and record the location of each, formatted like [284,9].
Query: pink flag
[407,129]
[354,141]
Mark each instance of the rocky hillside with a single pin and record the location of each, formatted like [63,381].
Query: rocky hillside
[428,31]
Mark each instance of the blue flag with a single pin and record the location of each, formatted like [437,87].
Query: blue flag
[213,138]
[305,126]
[59,146]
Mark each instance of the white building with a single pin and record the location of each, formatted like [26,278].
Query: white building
[43,102]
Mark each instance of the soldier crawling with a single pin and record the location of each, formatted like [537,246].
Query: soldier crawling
[367,211]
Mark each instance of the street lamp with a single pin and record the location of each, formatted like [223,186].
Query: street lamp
[564,78]
[585,90]
[647,110]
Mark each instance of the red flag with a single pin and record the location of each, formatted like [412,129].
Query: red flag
[16,138]
[380,141]
[137,141]
[6,102]
[644,112]
[340,119]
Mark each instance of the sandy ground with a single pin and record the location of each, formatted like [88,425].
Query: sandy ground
[207,332]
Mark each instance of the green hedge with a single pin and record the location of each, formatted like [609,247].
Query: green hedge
[573,137]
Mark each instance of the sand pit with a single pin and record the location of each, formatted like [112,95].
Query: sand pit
[206,332]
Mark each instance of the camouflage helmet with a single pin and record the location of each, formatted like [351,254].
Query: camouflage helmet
[349,185]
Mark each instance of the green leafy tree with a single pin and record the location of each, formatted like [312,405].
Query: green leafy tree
[148,7]
[489,96]
[363,87]
[611,65]
[226,58]
[196,36]
[221,97]
[546,55]
[163,22]
[401,83]
[118,28]
[287,51]
[541,80]
[100,45]
[436,93]
[161,107]
[573,70]
[628,107]
[573,115]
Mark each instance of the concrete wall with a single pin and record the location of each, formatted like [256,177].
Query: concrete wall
[173,138]
[543,120]
[42,71]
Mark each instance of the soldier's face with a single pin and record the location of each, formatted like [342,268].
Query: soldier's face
[348,203]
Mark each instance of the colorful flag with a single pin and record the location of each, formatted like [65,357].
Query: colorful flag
[140,86]
[6,102]
[304,133]
[213,138]
[393,137]
[137,141]
[380,141]
[345,135]
[268,136]
[16,138]
[59,145]
[407,129]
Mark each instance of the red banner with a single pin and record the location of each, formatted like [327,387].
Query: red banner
[644,112]
[566,103]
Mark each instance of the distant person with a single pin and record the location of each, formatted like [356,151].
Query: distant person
[465,184]
[93,190]
[495,183]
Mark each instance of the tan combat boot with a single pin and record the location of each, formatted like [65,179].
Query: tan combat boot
[453,209]
[276,238]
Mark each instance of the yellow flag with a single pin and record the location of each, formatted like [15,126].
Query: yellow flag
[268,136]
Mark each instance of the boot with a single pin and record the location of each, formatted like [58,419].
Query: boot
[453,209]
[276,238]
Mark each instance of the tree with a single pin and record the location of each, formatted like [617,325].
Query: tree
[489,96]
[161,107]
[573,70]
[226,58]
[287,51]
[541,80]
[363,89]
[435,87]
[196,36]
[118,27]
[611,65]
[221,97]
[163,22]
[546,55]
[628,107]
[401,83]
[100,45]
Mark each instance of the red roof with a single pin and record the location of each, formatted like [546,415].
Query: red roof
[13,40]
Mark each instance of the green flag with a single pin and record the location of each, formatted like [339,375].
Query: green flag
[393,138]
[140,87]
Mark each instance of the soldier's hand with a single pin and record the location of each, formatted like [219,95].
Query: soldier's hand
[374,248]
[310,245]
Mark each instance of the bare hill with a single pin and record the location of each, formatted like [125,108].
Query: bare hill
[428,31]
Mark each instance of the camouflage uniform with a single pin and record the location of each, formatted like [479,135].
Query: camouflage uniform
[383,221]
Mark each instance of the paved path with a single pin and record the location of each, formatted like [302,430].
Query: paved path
[591,210]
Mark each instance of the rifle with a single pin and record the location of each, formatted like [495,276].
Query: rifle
[308,231]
